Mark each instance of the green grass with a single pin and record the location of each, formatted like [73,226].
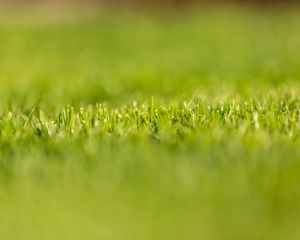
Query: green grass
[154,126]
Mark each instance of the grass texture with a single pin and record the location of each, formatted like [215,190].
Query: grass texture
[181,125]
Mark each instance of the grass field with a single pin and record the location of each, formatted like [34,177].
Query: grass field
[180,125]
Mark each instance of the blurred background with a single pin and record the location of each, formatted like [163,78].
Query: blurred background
[153,3]
[119,51]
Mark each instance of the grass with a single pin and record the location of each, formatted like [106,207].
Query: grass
[170,126]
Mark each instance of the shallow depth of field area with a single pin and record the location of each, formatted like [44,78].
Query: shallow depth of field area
[176,125]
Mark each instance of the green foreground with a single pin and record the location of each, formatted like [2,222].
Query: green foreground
[175,126]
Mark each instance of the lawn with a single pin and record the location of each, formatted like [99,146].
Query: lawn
[123,125]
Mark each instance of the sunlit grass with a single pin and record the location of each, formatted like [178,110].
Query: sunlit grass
[162,126]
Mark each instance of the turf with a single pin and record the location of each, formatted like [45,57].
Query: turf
[179,125]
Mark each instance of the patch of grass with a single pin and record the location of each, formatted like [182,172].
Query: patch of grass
[183,126]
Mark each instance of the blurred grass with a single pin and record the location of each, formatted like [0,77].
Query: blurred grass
[196,136]
[112,58]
